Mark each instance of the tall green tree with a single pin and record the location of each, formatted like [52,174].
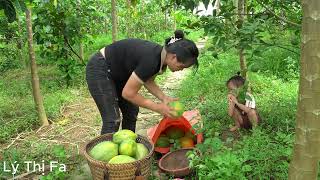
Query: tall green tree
[129,23]
[81,48]
[241,18]
[306,154]
[20,43]
[34,73]
[114,20]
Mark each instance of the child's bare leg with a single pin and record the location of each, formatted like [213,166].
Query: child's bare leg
[237,120]
[253,117]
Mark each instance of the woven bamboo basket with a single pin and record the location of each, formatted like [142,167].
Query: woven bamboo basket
[128,171]
[176,163]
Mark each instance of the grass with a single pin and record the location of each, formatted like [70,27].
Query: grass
[18,112]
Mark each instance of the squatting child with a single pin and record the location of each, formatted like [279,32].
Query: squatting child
[242,107]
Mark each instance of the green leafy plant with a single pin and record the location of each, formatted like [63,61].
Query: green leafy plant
[221,165]
[60,153]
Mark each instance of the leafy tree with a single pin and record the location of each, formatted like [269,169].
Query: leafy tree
[265,21]
[62,26]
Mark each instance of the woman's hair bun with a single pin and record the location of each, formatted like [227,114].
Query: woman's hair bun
[179,34]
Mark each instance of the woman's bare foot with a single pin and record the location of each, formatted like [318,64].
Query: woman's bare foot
[234,128]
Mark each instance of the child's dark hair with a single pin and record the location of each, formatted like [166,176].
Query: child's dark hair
[237,80]
[185,49]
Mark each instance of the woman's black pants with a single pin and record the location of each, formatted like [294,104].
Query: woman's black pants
[107,96]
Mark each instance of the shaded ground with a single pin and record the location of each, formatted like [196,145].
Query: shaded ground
[81,122]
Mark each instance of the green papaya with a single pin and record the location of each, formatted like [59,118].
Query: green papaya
[104,151]
[163,142]
[128,147]
[178,108]
[174,132]
[142,151]
[121,159]
[124,134]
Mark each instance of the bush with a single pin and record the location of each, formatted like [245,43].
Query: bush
[9,58]
[275,61]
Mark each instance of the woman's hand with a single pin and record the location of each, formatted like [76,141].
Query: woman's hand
[168,99]
[166,110]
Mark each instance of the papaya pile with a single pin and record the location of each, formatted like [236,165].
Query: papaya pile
[176,138]
[122,149]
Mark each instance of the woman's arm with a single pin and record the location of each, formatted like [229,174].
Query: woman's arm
[130,92]
[154,89]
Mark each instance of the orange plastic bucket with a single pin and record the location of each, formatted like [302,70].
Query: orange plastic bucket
[184,122]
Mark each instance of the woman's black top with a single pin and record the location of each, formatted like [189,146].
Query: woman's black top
[134,55]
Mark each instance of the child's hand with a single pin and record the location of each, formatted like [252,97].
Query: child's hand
[233,99]
[229,98]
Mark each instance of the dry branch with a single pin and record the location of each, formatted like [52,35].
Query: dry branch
[15,139]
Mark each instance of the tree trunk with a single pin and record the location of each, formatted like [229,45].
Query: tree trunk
[114,20]
[106,20]
[243,65]
[129,19]
[106,25]
[160,24]
[80,31]
[165,19]
[21,44]
[143,28]
[81,51]
[174,18]
[34,73]
[306,153]
[242,58]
